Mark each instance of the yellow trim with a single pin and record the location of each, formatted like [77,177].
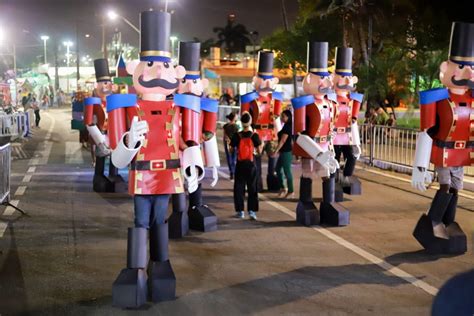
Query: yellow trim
[155,53]
[462,58]
[344,70]
[265,73]
[193,72]
[318,70]
[104,77]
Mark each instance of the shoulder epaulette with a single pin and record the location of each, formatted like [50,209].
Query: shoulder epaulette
[249,97]
[92,101]
[433,95]
[209,105]
[277,95]
[188,101]
[357,96]
[302,101]
[116,101]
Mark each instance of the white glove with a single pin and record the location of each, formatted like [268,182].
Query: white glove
[420,178]
[327,160]
[356,151]
[102,150]
[192,166]
[137,133]
[215,176]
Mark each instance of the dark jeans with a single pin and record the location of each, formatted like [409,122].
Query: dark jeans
[231,158]
[245,177]
[37,117]
[350,160]
[150,209]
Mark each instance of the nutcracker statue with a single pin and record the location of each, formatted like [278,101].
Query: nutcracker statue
[200,215]
[447,141]
[313,128]
[346,131]
[264,105]
[95,119]
[147,135]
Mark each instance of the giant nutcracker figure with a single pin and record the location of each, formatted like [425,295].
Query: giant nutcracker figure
[147,136]
[313,127]
[447,141]
[200,215]
[264,105]
[346,131]
[95,119]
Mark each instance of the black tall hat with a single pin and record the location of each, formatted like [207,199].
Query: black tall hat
[318,58]
[155,30]
[344,61]
[189,53]
[265,64]
[101,67]
[461,47]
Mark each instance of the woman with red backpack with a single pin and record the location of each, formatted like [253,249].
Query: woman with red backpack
[247,144]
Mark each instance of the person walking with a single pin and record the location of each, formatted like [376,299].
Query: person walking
[230,128]
[247,142]
[284,149]
[36,108]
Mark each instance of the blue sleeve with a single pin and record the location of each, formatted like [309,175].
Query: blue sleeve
[302,101]
[116,101]
[332,97]
[433,95]
[277,95]
[357,96]
[249,97]
[92,101]
[188,101]
[209,105]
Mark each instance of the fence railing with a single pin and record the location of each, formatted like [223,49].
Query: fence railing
[391,147]
[5,169]
[16,125]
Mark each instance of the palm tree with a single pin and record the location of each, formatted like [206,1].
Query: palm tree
[234,36]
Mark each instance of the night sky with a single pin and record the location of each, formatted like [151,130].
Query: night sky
[28,19]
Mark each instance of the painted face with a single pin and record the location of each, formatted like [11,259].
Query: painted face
[155,77]
[264,85]
[344,83]
[315,84]
[103,89]
[193,86]
[456,76]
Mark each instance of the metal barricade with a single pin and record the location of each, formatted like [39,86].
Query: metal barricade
[5,169]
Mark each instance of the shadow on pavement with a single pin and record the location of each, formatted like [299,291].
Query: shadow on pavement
[417,256]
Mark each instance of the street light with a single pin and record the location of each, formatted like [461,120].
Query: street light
[112,15]
[68,44]
[45,38]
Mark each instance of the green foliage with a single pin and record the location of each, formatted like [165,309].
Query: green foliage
[234,37]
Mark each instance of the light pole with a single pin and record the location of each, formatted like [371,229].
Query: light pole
[68,44]
[45,38]
[173,40]
[113,16]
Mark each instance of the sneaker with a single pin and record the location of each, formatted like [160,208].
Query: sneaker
[240,215]
[253,215]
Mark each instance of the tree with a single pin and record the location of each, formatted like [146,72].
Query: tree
[234,36]
[206,46]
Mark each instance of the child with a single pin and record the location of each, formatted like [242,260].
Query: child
[246,142]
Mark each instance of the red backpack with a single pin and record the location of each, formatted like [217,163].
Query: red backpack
[246,148]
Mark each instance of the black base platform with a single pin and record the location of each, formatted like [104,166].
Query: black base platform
[130,289]
[201,218]
[455,244]
[161,281]
[307,214]
[334,214]
[272,183]
[178,225]
[102,184]
[338,193]
[354,187]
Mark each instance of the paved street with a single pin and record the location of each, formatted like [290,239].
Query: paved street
[63,258]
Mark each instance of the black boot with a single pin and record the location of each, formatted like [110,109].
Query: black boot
[178,220]
[431,232]
[332,213]
[161,278]
[114,176]
[457,238]
[272,179]
[130,288]
[258,165]
[201,217]
[100,182]
[306,212]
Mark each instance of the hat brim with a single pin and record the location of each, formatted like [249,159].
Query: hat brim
[266,77]
[163,59]
[320,73]
[192,77]
[344,73]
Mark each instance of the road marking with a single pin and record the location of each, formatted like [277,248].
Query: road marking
[31,169]
[26,178]
[58,173]
[3,228]
[433,186]
[10,210]
[355,249]
[20,190]
[48,145]
[74,153]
